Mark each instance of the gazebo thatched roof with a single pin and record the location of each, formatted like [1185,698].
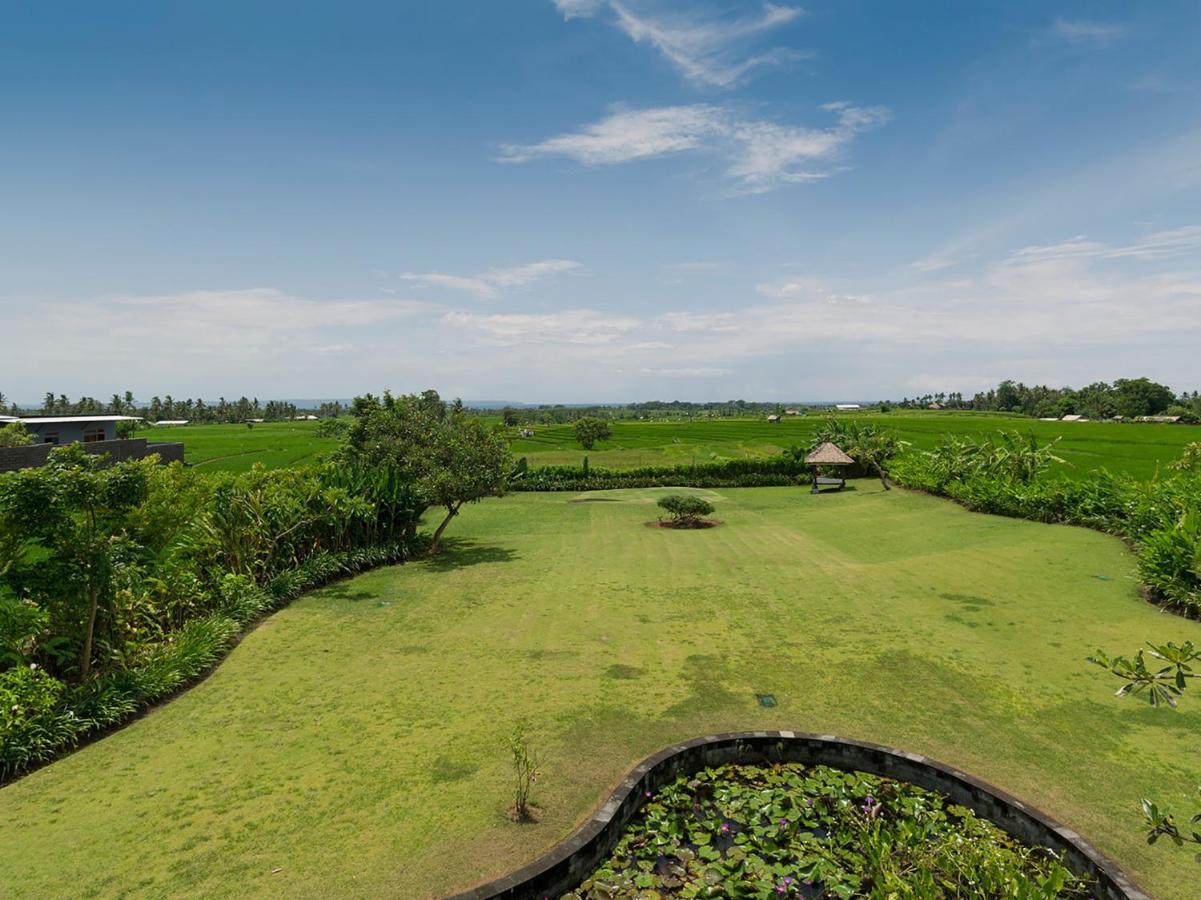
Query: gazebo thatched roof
[828,454]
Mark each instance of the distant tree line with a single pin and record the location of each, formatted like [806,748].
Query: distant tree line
[167,408]
[1126,397]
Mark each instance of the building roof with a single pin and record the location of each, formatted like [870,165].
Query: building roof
[62,420]
[7,419]
[847,406]
[828,455]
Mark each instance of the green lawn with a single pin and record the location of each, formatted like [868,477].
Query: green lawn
[1137,449]
[351,745]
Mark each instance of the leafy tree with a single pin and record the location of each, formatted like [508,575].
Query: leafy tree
[1141,397]
[73,510]
[14,435]
[589,430]
[508,415]
[450,458]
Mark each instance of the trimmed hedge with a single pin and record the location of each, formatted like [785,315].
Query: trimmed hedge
[774,472]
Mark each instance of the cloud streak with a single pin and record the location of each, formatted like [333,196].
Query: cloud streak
[760,155]
[707,50]
[1083,32]
[488,285]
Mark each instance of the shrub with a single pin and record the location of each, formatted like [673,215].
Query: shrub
[686,510]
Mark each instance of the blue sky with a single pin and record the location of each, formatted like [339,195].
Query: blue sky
[597,200]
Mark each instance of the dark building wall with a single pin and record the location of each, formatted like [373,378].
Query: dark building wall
[13,458]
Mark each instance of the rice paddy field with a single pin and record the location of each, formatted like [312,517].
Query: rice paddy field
[352,744]
[1137,449]
[235,448]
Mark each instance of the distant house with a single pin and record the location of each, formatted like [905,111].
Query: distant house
[934,406]
[773,419]
[304,418]
[847,406]
[792,412]
[98,434]
[1162,420]
[74,429]
[1074,417]
[170,423]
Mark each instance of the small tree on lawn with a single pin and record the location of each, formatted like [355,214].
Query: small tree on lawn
[73,511]
[589,430]
[686,510]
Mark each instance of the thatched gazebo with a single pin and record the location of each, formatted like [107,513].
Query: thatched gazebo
[827,454]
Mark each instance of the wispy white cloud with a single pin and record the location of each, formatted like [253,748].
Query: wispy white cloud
[572,9]
[1086,32]
[627,135]
[686,372]
[573,326]
[489,284]
[202,339]
[761,154]
[707,49]
[1156,245]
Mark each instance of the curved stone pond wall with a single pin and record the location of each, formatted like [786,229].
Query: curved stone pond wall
[570,862]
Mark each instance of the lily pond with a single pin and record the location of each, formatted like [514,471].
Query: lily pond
[801,831]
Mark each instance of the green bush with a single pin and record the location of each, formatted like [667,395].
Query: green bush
[685,509]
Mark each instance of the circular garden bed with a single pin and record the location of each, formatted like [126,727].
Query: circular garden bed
[774,814]
[791,830]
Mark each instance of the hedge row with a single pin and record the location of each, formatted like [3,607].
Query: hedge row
[775,472]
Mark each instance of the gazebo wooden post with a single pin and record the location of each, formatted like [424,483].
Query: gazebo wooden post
[813,474]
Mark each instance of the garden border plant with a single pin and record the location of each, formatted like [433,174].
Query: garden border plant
[565,866]
[122,583]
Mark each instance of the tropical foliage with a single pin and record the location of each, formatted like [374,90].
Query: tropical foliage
[14,435]
[872,447]
[793,831]
[120,583]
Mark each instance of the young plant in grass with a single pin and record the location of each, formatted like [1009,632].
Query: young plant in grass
[686,511]
[525,771]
